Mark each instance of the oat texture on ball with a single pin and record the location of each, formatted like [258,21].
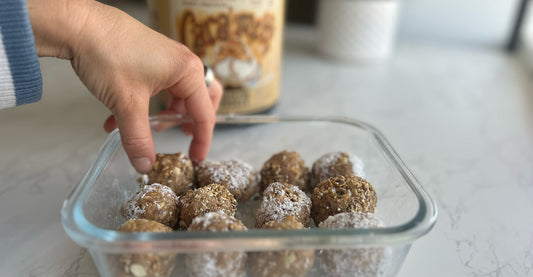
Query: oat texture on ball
[216,264]
[145,264]
[335,164]
[237,176]
[360,261]
[342,194]
[173,170]
[281,200]
[285,167]
[211,198]
[155,202]
[295,263]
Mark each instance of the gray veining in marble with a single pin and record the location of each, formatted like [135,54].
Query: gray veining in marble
[461,118]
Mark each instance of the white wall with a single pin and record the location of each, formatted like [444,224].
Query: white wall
[486,22]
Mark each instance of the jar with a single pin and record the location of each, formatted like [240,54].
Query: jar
[241,40]
[158,11]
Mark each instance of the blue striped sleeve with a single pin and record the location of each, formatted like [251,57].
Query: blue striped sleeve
[20,75]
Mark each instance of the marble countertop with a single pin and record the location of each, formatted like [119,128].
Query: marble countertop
[461,117]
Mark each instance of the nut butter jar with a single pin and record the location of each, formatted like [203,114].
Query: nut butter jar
[158,11]
[241,40]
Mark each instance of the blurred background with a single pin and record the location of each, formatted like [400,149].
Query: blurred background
[368,32]
[448,21]
[477,22]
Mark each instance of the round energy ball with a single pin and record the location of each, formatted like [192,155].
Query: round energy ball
[342,194]
[173,170]
[237,176]
[211,198]
[155,202]
[287,223]
[335,164]
[146,264]
[295,263]
[363,261]
[281,200]
[285,167]
[216,264]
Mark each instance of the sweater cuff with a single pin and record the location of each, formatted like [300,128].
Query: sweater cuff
[20,75]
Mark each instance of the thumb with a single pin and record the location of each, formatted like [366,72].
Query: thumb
[136,135]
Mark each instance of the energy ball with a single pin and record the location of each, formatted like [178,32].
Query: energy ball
[285,167]
[281,200]
[287,223]
[211,198]
[155,202]
[173,170]
[335,164]
[146,264]
[143,225]
[342,194]
[295,263]
[363,261]
[216,264]
[237,176]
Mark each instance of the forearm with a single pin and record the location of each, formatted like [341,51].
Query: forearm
[58,25]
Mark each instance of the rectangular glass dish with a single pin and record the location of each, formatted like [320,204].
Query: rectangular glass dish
[91,213]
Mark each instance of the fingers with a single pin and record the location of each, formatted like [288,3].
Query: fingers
[178,106]
[110,124]
[191,87]
[135,133]
[215,93]
[203,115]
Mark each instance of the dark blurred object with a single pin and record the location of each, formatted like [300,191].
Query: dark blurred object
[298,11]
[301,11]
[514,40]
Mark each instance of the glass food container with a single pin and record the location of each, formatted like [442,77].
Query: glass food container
[91,213]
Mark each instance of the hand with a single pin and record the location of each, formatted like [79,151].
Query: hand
[123,63]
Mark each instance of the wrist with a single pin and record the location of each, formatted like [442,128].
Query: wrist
[57,25]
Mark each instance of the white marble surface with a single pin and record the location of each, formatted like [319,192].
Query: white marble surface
[461,118]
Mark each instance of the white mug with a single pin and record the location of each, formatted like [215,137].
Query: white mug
[360,30]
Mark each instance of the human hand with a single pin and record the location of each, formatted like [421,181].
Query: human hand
[123,63]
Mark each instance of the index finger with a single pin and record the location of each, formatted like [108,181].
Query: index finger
[202,113]
[191,87]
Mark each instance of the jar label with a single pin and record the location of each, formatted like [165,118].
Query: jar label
[241,41]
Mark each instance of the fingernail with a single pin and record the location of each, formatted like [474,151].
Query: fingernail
[142,164]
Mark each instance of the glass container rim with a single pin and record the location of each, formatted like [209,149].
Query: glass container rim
[86,234]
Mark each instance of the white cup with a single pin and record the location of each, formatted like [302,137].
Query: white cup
[357,30]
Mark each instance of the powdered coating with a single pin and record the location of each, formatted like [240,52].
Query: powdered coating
[173,170]
[237,176]
[216,222]
[155,202]
[281,200]
[215,264]
[335,164]
[357,220]
[211,198]
[363,261]
[295,263]
[143,179]
[342,194]
[285,167]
